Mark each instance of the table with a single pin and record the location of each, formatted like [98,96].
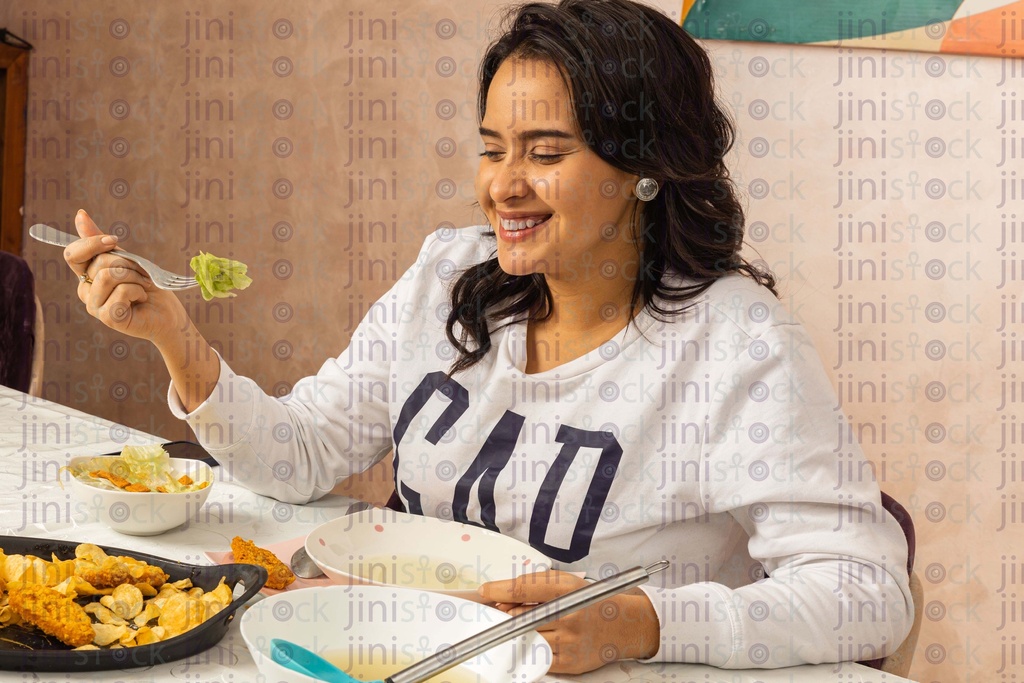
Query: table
[37,437]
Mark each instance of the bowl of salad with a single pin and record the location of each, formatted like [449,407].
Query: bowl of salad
[143,491]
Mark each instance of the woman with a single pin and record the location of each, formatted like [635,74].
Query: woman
[607,380]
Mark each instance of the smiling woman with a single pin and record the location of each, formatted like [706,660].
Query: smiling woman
[572,101]
[596,371]
[555,206]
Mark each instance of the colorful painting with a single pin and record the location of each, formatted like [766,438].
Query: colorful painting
[979,27]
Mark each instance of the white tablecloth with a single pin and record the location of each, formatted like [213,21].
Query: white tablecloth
[38,437]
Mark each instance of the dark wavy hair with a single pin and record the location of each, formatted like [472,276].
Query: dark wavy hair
[643,97]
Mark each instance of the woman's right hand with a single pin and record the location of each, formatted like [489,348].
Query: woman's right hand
[119,293]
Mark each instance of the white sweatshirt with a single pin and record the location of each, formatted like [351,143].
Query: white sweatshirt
[675,440]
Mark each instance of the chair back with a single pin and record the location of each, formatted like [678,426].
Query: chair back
[898,662]
[893,507]
[17,322]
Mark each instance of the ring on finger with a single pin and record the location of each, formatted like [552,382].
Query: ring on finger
[84,277]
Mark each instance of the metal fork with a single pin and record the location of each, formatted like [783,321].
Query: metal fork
[164,279]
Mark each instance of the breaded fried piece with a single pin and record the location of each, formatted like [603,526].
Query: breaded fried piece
[137,488]
[147,573]
[52,613]
[107,575]
[246,552]
[185,480]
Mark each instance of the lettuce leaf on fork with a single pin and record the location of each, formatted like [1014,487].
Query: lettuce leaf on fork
[218,276]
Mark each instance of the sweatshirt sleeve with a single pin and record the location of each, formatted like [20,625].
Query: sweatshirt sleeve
[783,464]
[332,425]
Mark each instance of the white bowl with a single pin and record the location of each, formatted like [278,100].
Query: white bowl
[381,547]
[393,627]
[144,513]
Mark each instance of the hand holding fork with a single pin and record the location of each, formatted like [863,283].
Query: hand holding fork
[125,292]
[164,279]
[135,297]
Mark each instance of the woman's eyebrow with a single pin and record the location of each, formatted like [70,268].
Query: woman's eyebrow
[531,134]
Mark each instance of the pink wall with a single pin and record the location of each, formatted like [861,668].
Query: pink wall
[916,308]
[884,187]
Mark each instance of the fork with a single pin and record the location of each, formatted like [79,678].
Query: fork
[164,279]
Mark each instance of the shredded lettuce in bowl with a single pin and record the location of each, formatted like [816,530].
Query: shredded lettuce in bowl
[218,276]
[147,465]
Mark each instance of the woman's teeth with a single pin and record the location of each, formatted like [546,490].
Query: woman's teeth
[514,225]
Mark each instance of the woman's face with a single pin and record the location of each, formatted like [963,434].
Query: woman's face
[556,207]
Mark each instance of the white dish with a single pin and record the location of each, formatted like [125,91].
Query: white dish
[382,547]
[144,513]
[399,625]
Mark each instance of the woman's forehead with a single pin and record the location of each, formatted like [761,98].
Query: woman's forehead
[528,91]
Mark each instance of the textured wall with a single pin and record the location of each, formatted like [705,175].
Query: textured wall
[883,187]
[288,140]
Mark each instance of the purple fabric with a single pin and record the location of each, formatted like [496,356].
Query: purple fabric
[17,322]
[907,524]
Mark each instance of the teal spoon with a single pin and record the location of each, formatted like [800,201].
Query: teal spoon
[298,658]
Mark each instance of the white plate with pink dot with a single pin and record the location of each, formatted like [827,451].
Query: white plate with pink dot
[382,547]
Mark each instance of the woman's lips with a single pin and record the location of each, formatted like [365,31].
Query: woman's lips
[524,233]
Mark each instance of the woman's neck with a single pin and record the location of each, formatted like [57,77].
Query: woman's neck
[590,307]
[579,322]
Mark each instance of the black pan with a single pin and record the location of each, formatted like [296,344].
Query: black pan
[28,649]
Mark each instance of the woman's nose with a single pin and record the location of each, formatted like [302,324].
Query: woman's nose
[509,181]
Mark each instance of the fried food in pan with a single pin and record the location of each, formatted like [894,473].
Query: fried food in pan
[97,600]
[53,614]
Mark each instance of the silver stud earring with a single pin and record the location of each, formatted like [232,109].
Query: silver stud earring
[646,189]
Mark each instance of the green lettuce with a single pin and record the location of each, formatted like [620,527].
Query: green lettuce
[148,465]
[144,464]
[218,276]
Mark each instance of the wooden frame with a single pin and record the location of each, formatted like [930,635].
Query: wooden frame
[13,102]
